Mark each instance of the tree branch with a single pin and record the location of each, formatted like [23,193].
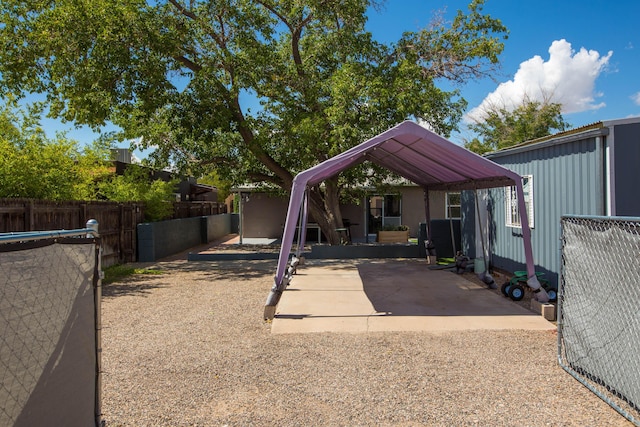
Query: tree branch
[285,179]
[191,15]
[263,177]
[188,63]
[296,34]
[183,10]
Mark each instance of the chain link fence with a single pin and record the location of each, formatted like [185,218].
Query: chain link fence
[599,308]
[50,329]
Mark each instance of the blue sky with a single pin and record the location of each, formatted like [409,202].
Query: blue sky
[592,69]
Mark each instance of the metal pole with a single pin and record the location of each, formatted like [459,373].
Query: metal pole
[453,236]
[92,224]
[484,252]
[240,226]
[365,220]
[302,233]
[427,214]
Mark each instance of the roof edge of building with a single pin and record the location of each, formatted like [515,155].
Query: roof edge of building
[583,132]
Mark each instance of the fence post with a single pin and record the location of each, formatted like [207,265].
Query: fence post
[83,212]
[121,232]
[29,216]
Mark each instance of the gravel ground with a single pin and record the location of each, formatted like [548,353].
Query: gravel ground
[189,348]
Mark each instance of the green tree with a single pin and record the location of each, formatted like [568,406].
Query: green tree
[35,166]
[179,74]
[501,127]
[135,185]
[214,179]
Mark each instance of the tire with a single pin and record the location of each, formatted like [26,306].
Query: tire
[553,295]
[516,292]
[505,288]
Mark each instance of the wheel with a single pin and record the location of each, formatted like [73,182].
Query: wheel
[553,295]
[516,292]
[505,288]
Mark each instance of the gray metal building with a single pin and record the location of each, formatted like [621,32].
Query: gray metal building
[592,170]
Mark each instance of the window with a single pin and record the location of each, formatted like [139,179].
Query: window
[511,199]
[453,205]
[384,211]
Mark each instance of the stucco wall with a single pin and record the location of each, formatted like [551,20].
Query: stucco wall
[355,214]
[413,207]
[218,226]
[264,215]
[157,240]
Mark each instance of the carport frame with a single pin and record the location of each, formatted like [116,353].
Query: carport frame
[407,150]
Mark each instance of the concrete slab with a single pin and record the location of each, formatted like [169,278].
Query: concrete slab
[393,295]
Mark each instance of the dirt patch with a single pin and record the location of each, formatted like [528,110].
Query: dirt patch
[192,349]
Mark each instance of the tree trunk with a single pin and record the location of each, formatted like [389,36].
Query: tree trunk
[324,207]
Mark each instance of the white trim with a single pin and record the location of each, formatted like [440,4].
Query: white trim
[447,206]
[610,173]
[617,122]
[512,219]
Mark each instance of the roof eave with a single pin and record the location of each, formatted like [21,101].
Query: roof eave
[530,146]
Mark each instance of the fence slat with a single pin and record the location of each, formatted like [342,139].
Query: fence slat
[118,221]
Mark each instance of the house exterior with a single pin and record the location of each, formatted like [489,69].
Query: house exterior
[264,213]
[592,170]
[188,189]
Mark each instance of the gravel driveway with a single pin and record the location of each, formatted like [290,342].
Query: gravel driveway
[189,348]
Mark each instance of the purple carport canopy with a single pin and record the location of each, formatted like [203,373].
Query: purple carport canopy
[412,152]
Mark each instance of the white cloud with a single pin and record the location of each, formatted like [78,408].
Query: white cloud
[636,98]
[567,77]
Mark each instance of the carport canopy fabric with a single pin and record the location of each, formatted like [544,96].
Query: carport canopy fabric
[417,154]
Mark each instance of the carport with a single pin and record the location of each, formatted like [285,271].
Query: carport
[416,154]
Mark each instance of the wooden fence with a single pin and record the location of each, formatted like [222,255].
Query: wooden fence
[117,221]
[191,209]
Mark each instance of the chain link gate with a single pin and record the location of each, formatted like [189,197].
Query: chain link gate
[599,308]
[50,328]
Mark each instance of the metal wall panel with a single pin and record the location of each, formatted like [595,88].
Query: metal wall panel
[627,159]
[567,180]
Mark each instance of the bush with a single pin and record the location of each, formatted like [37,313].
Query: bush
[134,185]
[395,228]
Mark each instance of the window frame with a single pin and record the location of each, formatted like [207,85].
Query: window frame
[512,214]
[448,206]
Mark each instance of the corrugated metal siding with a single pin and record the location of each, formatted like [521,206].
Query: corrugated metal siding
[566,181]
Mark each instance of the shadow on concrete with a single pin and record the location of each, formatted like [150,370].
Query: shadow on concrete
[393,295]
[398,288]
